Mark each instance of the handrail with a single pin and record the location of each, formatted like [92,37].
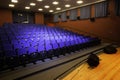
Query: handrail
[70,69]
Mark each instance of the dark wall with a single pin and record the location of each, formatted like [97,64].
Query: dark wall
[106,27]
[23,17]
[48,18]
[9,16]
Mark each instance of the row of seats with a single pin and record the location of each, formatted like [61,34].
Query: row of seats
[25,43]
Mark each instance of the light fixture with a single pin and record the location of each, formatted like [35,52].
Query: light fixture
[14,1]
[55,2]
[27,7]
[40,9]
[67,5]
[40,0]
[11,5]
[79,1]
[46,6]
[50,10]
[32,4]
[58,8]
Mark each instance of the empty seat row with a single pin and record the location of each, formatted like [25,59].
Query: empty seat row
[25,43]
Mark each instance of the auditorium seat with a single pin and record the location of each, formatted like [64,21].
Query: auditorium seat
[3,37]
[23,56]
[32,52]
[1,50]
[56,49]
[49,50]
[41,51]
[62,48]
[17,45]
[25,43]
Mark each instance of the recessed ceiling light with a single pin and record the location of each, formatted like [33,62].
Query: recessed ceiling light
[40,9]
[55,2]
[80,2]
[39,0]
[58,8]
[11,5]
[27,7]
[67,5]
[50,10]
[46,6]
[32,4]
[14,1]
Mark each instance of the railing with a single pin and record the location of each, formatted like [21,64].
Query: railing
[61,76]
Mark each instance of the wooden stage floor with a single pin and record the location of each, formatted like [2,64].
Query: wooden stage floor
[108,69]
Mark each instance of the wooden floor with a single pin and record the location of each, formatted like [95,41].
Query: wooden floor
[108,69]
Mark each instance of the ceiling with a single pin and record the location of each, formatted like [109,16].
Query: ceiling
[40,4]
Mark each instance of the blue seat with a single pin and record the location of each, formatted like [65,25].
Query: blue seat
[41,48]
[62,44]
[32,50]
[1,51]
[22,51]
[17,46]
[3,37]
[26,36]
[23,56]
[37,39]
[2,32]
[19,37]
[12,37]
[48,47]
[33,35]
[55,45]
[14,41]
[8,50]
[41,42]
[22,41]
[5,42]
[7,47]
[53,41]
[56,49]
[63,48]
[10,53]
[67,43]
[33,55]
[33,44]
[26,44]
[29,40]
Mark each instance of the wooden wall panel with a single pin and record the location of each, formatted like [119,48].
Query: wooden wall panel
[92,11]
[6,16]
[107,27]
[39,18]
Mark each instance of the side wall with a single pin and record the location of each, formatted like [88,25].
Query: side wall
[5,16]
[107,27]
